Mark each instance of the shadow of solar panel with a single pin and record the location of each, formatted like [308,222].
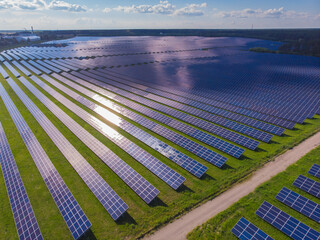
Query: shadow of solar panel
[133,179]
[24,218]
[115,206]
[308,185]
[315,170]
[222,132]
[152,88]
[299,203]
[73,215]
[178,139]
[285,223]
[245,230]
[172,178]
[180,126]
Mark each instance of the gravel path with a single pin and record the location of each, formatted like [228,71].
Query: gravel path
[178,229]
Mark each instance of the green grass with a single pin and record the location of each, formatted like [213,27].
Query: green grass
[220,226]
[141,218]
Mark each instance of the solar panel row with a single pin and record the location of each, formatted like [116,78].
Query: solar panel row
[3,72]
[21,68]
[63,68]
[133,179]
[285,223]
[308,185]
[187,129]
[221,112]
[181,159]
[299,203]
[25,220]
[6,56]
[54,69]
[104,193]
[315,170]
[11,69]
[176,138]
[43,69]
[245,230]
[31,68]
[73,215]
[260,135]
[222,132]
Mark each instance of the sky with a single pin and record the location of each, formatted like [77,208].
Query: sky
[153,14]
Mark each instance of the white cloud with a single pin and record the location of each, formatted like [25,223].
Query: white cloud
[164,7]
[191,10]
[61,5]
[107,10]
[41,5]
[259,13]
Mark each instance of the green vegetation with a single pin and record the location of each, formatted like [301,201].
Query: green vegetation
[220,226]
[141,218]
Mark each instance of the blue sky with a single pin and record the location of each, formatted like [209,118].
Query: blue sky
[122,14]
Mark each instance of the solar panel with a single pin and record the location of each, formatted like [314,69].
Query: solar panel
[12,69]
[247,231]
[299,203]
[174,155]
[285,223]
[72,213]
[174,137]
[43,69]
[33,69]
[104,193]
[133,179]
[54,69]
[1,59]
[57,66]
[3,72]
[308,185]
[255,133]
[315,170]
[161,170]
[221,112]
[187,129]
[222,132]
[25,220]
[6,56]
[22,69]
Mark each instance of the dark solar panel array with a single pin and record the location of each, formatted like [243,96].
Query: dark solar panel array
[72,213]
[219,131]
[7,56]
[161,170]
[52,68]
[245,230]
[299,203]
[315,170]
[221,112]
[133,179]
[63,68]
[176,138]
[24,218]
[308,185]
[255,133]
[179,158]
[43,69]
[285,223]
[187,129]
[104,193]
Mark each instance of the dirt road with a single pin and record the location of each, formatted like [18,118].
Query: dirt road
[178,229]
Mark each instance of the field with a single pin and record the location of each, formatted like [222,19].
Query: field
[220,226]
[142,60]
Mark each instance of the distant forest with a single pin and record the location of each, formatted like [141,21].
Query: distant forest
[296,41]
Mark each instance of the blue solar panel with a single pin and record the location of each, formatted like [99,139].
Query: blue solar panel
[285,223]
[308,185]
[104,193]
[133,179]
[315,170]
[25,220]
[22,69]
[12,69]
[54,69]
[187,129]
[63,68]
[176,138]
[219,131]
[181,159]
[3,72]
[299,203]
[245,230]
[221,112]
[43,69]
[33,69]
[260,135]
[6,56]
[161,170]
[73,215]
